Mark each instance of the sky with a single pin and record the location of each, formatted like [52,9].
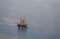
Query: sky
[11,10]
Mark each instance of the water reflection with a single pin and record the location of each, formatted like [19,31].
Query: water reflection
[22,28]
[21,32]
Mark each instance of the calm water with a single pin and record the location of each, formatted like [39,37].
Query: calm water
[43,17]
[40,29]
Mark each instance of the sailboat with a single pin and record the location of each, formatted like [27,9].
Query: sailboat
[22,23]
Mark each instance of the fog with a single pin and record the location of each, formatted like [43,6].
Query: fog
[43,16]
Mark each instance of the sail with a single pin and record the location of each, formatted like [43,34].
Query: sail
[18,21]
[25,22]
[22,21]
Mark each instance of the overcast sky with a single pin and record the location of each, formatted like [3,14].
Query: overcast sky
[10,10]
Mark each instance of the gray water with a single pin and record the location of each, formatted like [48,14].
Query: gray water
[43,19]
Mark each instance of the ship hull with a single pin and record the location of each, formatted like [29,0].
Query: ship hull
[19,25]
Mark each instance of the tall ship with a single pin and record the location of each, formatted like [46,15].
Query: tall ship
[22,22]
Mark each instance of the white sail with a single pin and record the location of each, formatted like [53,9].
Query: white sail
[18,21]
[22,22]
